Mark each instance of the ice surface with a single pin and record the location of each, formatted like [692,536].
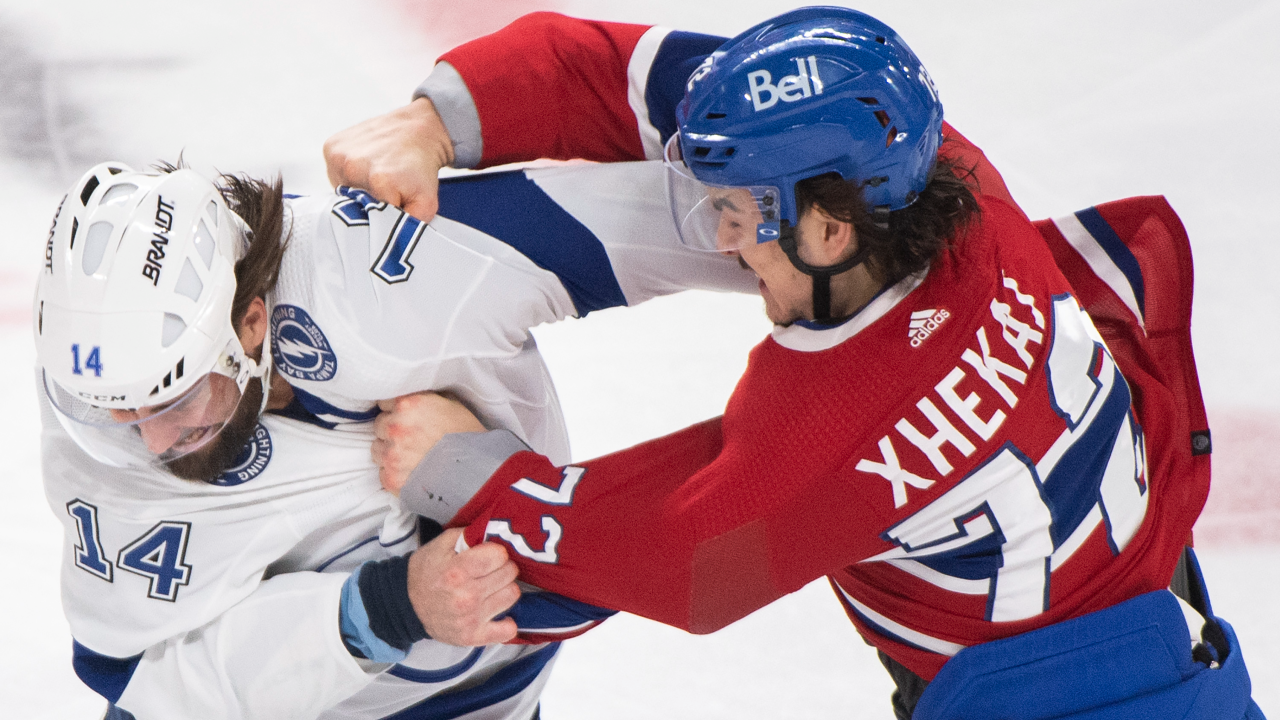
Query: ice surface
[1077,103]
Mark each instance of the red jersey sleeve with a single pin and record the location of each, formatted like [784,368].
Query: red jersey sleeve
[551,86]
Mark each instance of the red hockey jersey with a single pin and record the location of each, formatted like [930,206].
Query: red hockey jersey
[971,456]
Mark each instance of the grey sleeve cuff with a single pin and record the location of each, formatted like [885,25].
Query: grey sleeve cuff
[455,470]
[447,90]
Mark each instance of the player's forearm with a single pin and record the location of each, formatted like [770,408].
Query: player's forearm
[628,531]
[550,86]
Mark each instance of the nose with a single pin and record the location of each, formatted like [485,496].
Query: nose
[728,237]
[125,416]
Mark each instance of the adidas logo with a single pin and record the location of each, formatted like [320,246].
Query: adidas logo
[923,323]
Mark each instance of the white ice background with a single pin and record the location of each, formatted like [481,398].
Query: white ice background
[1076,103]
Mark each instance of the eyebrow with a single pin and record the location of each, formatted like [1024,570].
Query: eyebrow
[722,203]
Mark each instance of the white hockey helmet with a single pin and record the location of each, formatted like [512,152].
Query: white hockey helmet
[132,314]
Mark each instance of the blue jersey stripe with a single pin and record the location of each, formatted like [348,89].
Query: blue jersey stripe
[1072,487]
[678,56]
[548,611]
[318,406]
[105,675]
[345,553]
[505,684]
[512,208]
[417,675]
[877,627]
[1115,249]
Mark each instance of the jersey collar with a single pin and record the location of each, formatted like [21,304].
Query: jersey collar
[807,336]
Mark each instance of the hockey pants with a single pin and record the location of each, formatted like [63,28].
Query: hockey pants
[1130,661]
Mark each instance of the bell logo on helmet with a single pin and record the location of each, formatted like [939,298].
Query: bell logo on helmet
[765,94]
[164,223]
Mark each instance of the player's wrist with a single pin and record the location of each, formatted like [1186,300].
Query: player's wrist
[454,470]
[376,618]
[451,116]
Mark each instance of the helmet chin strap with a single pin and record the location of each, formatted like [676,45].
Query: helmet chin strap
[263,371]
[248,368]
[821,274]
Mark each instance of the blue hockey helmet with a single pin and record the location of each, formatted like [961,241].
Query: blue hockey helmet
[812,91]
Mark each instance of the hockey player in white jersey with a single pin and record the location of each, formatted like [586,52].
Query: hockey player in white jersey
[229,551]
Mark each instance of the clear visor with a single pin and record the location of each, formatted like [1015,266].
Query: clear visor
[152,435]
[718,218]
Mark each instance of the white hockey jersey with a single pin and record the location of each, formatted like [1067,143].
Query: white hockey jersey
[221,600]
[372,304]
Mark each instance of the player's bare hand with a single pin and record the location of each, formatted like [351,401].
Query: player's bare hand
[457,595]
[396,157]
[409,426]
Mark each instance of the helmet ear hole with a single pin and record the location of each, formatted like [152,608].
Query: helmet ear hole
[204,243]
[95,246]
[189,284]
[170,332]
[117,193]
[87,191]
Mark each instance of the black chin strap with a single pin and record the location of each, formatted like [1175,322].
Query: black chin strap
[821,274]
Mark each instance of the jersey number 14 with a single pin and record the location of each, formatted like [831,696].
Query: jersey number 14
[159,554]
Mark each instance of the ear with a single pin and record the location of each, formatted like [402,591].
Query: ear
[253,328]
[827,240]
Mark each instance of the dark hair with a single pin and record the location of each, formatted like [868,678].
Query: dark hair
[913,236]
[261,206]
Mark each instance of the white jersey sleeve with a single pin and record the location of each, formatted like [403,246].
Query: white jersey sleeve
[373,304]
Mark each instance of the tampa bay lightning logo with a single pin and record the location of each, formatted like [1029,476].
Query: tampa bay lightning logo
[251,461]
[299,348]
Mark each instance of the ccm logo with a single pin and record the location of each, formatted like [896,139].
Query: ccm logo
[102,398]
[765,94]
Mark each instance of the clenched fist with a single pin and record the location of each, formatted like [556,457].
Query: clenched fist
[408,427]
[397,157]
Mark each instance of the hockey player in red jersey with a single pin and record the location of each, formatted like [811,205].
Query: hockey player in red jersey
[997,482]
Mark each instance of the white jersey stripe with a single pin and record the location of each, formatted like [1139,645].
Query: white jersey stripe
[1101,263]
[637,80]
[964,586]
[915,637]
